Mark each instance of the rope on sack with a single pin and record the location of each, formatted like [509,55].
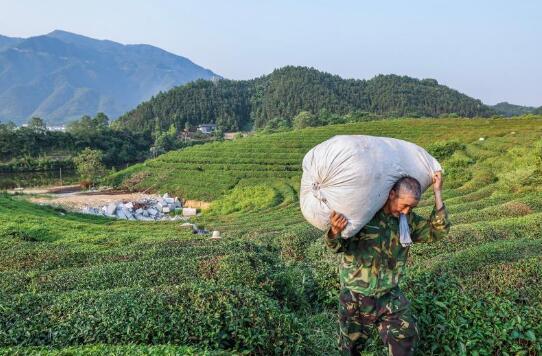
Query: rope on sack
[317,193]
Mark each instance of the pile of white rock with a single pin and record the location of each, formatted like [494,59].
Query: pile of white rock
[147,209]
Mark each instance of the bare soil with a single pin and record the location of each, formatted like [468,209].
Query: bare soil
[71,197]
[78,201]
[198,204]
[48,190]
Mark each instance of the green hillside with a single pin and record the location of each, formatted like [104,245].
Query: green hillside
[77,283]
[234,105]
[507,109]
[206,172]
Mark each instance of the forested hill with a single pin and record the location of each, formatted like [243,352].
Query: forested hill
[507,109]
[289,90]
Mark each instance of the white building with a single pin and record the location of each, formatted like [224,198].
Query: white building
[56,128]
[207,128]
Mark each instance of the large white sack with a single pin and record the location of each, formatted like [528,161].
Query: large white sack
[354,174]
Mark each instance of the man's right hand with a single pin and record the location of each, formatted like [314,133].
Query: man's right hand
[338,223]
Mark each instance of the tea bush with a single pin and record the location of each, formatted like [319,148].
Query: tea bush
[79,284]
[217,317]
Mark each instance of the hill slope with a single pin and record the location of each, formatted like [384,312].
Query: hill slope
[507,109]
[61,76]
[269,286]
[289,90]
[222,165]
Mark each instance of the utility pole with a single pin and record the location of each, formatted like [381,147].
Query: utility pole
[60,179]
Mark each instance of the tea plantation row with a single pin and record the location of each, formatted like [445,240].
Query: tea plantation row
[77,284]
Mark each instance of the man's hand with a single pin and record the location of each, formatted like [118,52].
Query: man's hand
[338,223]
[437,188]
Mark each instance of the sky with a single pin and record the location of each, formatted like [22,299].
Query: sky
[490,50]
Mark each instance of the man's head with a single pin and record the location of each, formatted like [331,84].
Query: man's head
[404,196]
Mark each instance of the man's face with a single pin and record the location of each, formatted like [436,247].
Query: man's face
[401,203]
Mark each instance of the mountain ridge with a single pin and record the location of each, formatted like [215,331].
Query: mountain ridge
[61,76]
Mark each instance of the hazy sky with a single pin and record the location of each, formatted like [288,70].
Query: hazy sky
[491,50]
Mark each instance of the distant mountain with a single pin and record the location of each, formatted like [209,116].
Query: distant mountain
[507,109]
[62,76]
[289,90]
[6,42]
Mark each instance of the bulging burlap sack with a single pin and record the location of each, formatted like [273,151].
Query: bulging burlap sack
[354,174]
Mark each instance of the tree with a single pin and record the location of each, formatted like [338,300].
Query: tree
[101,121]
[278,123]
[218,133]
[165,141]
[9,126]
[89,165]
[83,126]
[87,126]
[36,124]
[305,119]
[325,117]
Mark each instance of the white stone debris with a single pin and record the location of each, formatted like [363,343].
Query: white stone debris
[165,208]
[189,212]
[110,209]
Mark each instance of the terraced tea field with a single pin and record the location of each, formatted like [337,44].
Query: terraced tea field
[72,284]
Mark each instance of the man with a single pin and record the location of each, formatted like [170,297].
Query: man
[372,263]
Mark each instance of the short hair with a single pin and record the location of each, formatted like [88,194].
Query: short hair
[408,185]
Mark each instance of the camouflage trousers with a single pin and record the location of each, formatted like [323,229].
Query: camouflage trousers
[390,313]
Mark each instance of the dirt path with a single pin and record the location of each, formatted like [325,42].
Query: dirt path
[78,201]
[47,190]
[198,204]
[71,197]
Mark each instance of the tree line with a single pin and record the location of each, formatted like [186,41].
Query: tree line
[283,94]
[20,146]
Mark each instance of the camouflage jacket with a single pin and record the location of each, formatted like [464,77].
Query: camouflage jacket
[373,260]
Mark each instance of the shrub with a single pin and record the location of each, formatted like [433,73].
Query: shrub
[89,165]
[295,242]
[244,199]
[443,150]
[230,318]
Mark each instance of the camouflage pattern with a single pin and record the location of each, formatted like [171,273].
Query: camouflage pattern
[373,260]
[390,312]
[371,266]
